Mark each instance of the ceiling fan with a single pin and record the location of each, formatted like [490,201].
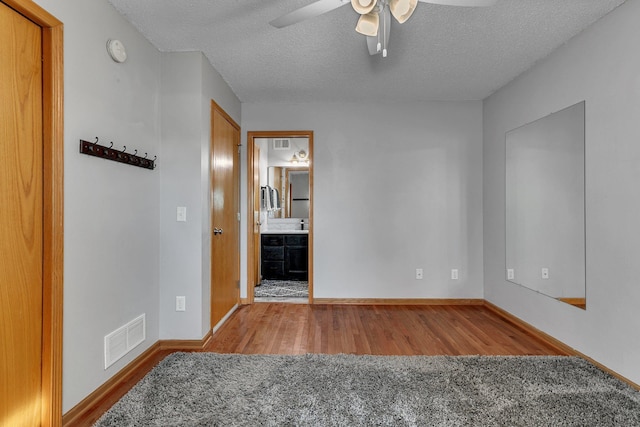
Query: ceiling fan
[375,16]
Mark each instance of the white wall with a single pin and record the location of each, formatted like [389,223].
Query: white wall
[111,210]
[601,66]
[189,82]
[115,255]
[396,187]
[180,260]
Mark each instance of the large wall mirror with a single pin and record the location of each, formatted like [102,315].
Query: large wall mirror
[545,205]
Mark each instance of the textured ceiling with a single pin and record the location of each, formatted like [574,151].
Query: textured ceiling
[440,53]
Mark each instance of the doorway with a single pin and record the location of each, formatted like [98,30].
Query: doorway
[31,215]
[280,212]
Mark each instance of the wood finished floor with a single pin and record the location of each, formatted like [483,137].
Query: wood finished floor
[272,328]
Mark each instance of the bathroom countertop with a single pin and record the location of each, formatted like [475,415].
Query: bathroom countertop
[285,232]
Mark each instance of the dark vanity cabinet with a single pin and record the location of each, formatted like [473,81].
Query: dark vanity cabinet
[272,254]
[296,258]
[285,256]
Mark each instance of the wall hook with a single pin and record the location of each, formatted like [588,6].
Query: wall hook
[109,153]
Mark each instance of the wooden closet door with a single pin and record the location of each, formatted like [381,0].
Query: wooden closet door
[225,243]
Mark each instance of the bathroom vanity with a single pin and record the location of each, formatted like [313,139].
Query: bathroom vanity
[284,255]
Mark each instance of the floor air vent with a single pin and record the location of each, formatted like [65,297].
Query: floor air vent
[123,340]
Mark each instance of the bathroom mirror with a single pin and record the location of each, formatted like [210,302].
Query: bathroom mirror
[284,174]
[545,205]
[292,184]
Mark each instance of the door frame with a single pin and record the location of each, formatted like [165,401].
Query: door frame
[251,259]
[53,203]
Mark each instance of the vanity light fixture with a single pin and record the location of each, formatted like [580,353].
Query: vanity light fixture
[299,157]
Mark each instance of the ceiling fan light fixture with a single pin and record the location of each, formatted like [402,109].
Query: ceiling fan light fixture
[368,24]
[363,6]
[402,9]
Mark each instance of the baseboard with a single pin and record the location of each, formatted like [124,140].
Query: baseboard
[547,339]
[397,301]
[87,412]
[556,344]
[576,302]
[224,319]
[79,415]
[186,345]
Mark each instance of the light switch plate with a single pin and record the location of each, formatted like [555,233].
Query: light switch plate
[181,303]
[181,214]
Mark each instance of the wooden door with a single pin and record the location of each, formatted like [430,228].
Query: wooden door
[256,215]
[225,238]
[21,219]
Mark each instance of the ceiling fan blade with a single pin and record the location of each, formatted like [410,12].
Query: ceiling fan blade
[309,11]
[468,3]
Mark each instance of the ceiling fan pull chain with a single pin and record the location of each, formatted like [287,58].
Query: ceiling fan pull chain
[385,29]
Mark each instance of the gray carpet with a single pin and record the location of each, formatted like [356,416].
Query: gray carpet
[282,289]
[208,389]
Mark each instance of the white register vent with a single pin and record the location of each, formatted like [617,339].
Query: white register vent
[123,340]
[281,143]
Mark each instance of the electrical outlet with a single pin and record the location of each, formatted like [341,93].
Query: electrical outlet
[454,274]
[419,274]
[545,273]
[511,274]
[181,303]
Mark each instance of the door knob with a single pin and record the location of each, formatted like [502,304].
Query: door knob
[217,231]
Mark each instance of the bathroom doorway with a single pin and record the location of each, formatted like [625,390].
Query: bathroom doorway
[280,212]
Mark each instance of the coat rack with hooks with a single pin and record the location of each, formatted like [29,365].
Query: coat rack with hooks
[109,153]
